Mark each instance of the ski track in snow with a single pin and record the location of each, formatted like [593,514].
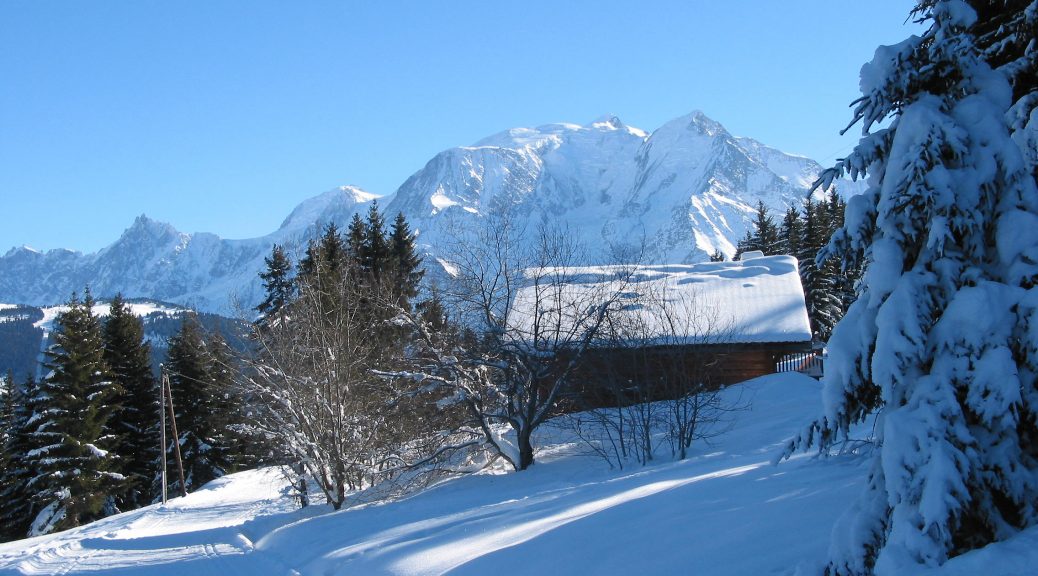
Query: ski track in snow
[204,533]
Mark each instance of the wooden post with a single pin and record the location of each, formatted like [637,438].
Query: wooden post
[176,436]
[162,425]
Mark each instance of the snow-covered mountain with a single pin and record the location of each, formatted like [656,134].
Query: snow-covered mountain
[673,196]
[153,260]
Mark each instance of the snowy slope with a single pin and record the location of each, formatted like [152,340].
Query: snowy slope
[726,510]
[671,196]
[103,309]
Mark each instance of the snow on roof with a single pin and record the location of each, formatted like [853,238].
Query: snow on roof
[750,301]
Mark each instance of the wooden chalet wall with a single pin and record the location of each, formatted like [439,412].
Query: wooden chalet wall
[746,361]
[611,376]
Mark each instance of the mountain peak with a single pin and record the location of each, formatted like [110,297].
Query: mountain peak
[142,221]
[607,122]
[324,205]
[144,232]
[694,126]
[359,195]
[704,124]
[611,122]
[145,225]
[23,249]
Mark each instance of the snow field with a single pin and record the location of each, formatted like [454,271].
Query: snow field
[725,511]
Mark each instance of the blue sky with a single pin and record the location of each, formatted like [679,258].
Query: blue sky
[220,116]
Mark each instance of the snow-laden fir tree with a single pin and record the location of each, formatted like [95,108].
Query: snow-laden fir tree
[277,282]
[8,457]
[16,507]
[404,261]
[356,236]
[73,474]
[236,450]
[765,236]
[820,273]
[841,279]
[374,253]
[135,427]
[198,404]
[326,257]
[792,231]
[942,343]
[7,406]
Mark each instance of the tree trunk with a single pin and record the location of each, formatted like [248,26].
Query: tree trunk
[340,494]
[525,448]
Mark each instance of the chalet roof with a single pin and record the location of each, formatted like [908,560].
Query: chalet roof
[756,300]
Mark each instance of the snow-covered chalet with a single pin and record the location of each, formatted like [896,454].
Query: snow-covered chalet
[715,322]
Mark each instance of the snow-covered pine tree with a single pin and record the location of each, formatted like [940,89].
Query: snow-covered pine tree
[325,258]
[791,231]
[766,233]
[7,392]
[405,262]
[827,284]
[818,277]
[942,343]
[16,507]
[73,477]
[277,282]
[233,449]
[1005,33]
[764,236]
[128,356]
[7,455]
[843,277]
[356,234]
[190,366]
[746,243]
[374,254]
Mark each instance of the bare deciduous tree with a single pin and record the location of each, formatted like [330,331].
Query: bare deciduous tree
[310,388]
[314,390]
[654,377]
[530,328]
